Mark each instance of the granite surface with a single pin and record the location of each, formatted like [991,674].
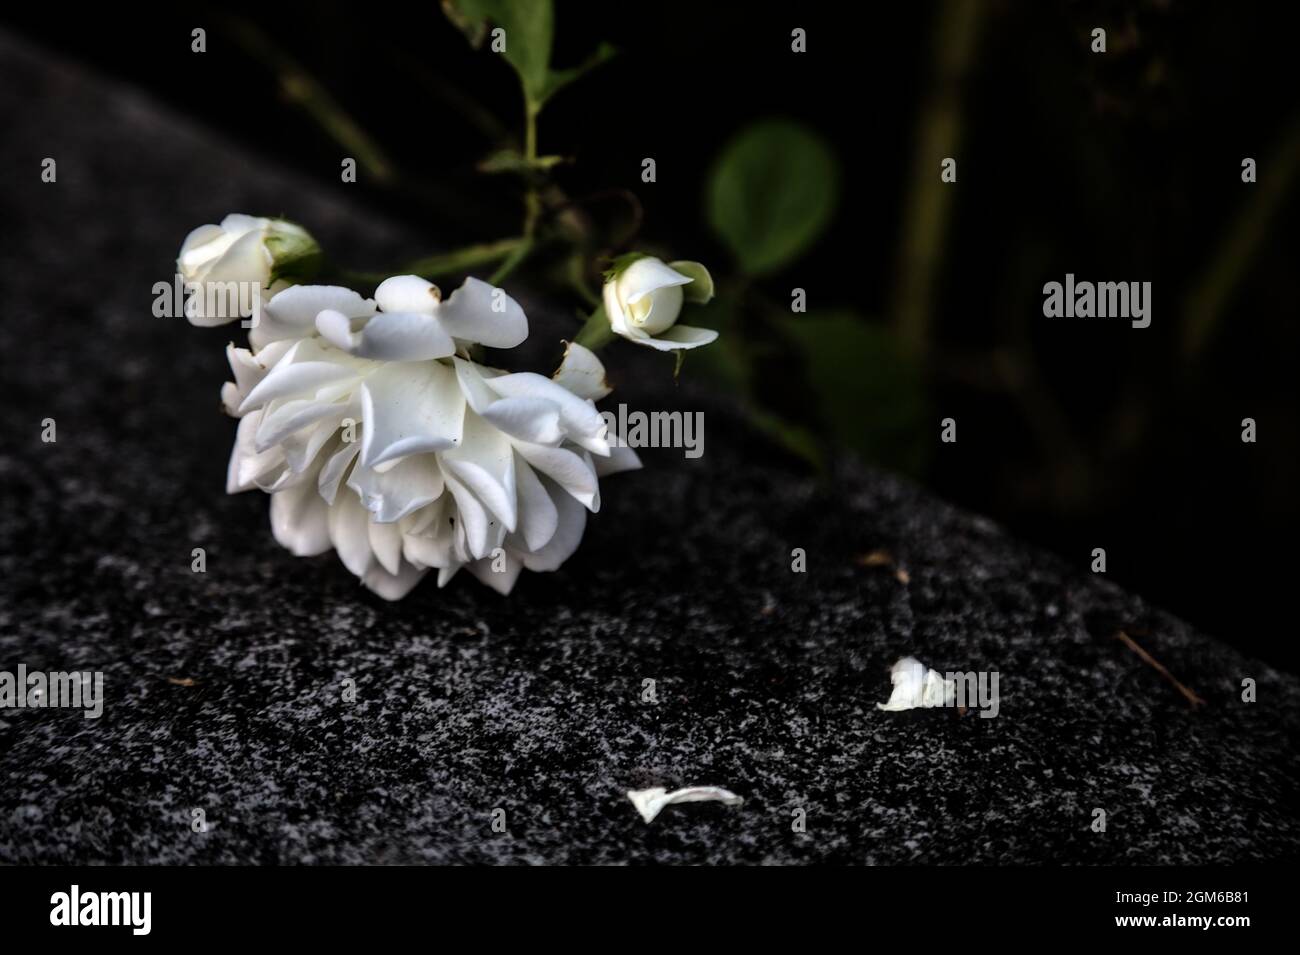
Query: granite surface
[225,690]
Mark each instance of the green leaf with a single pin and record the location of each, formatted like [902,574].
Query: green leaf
[771,193]
[529,27]
[557,80]
[869,393]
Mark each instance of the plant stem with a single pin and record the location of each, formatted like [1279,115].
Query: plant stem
[928,205]
[1206,304]
[453,263]
[520,253]
[596,333]
[532,199]
[302,89]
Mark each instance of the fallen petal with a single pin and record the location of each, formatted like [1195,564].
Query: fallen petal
[649,802]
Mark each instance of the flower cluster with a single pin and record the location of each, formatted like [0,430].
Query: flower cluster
[378,435]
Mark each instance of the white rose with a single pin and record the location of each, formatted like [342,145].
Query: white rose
[229,265]
[375,439]
[643,299]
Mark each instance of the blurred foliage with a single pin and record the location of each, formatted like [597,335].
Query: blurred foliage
[770,196]
[870,393]
[529,27]
[771,193]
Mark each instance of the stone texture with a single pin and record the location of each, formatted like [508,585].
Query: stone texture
[467,702]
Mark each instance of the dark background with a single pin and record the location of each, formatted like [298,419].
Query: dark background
[1117,167]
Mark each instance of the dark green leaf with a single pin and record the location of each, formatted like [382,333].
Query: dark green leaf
[771,193]
[871,396]
[529,27]
[557,80]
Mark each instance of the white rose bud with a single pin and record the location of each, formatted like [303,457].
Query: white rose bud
[643,298]
[245,259]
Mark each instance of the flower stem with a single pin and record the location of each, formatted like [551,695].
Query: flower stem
[453,263]
[532,198]
[596,333]
[517,256]
[303,90]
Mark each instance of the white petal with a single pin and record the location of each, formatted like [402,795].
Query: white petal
[386,542]
[485,464]
[477,312]
[292,312]
[582,373]
[916,686]
[409,408]
[247,260]
[700,290]
[679,336]
[529,419]
[571,523]
[231,399]
[431,545]
[470,517]
[650,802]
[581,421]
[292,378]
[503,580]
[473,382]
[349,526]
[237,223]
[284,416]
[247,464]
[429,520]
[423,551]
[299,305]
[408,293]
[538,516]
[656,312]
[200,247]
[614,310]
[302,447]
[392,586]
[300,520]
[391,495]
[620,459]
[331,474]
[388,336]
[248,371]
[645,276]
[573,473]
